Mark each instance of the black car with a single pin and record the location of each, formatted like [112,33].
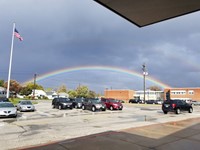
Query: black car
[77,102]
[4,99]
[62,103]
[93,104]
[151,102]
[176,106]
[135,101]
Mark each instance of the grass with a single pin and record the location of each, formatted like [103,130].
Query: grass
[16,101]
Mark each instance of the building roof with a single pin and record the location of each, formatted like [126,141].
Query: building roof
[2,89]
[146,12]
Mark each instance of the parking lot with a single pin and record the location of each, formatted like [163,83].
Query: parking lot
[49,125]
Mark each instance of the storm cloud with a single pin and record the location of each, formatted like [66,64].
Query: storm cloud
[69,33]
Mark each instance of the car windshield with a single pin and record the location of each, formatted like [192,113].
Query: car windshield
[95,100]
[113,100]
[25,103]
[2,105]
[3,99]
[79,100]
[64,100]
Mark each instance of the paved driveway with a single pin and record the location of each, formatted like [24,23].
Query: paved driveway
[50,125]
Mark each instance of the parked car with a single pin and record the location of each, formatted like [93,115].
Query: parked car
[7,109]
[4,99]
[62,103]
[121,101]
[77,102]
[112,104]
[25,105]
[176,106]
[135,101]
[159,102]
[93,104]
[151,102]
[195,102]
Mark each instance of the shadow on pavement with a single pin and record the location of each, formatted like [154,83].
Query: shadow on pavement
[180,135]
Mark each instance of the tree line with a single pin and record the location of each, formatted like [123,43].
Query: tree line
[26,90]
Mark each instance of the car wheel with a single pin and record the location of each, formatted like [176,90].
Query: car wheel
[60,107]
[83,107]
[76,106]
[165,112]
[53,106]
[111,108]
[178,111]
[190,110]
[120,109]
[93,108]
[20,109]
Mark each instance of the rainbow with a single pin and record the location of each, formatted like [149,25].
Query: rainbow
[99,68]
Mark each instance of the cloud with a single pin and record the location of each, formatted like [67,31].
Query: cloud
[67,33]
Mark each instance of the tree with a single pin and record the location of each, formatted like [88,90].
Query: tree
[155,88]
[27,90]
[15,87]
[91,94]
[72,93]
[62,88]
[1,83]
[82,91]
[34,86]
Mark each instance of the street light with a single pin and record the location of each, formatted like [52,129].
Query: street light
[145,73]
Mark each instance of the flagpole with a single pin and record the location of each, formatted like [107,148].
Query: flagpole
[10,64]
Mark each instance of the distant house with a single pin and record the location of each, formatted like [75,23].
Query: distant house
[51,95]
[39,93]
[2,92]
[63,94]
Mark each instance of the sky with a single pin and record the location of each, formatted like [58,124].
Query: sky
[61,34]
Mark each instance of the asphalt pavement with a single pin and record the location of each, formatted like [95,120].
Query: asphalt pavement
[135,127]
[175,135]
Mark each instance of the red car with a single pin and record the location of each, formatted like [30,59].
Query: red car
[112,104]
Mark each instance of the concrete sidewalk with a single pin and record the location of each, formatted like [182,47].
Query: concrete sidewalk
[180,135]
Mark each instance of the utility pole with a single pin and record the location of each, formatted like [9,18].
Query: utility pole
[34,85]
[145,73]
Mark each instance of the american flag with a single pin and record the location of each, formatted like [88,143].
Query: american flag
[17,35]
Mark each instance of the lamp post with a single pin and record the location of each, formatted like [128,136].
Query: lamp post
[145,73]
[34,85]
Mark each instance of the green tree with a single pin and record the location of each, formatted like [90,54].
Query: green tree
[91,94]
[27,90]
[36,86]
[82,91]
[1,83]
[72,93]
[62,88]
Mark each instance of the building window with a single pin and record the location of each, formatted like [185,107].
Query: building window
[178,92]
[191,92]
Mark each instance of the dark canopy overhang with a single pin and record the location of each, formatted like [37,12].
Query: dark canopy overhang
[146,12]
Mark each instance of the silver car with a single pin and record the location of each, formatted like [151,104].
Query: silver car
[7,109]
[25,105]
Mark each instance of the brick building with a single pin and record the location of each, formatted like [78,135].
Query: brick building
[183,93]
[119,94]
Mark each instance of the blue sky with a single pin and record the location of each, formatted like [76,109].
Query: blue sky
[69,33]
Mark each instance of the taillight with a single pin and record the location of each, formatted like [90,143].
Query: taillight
[173,105]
